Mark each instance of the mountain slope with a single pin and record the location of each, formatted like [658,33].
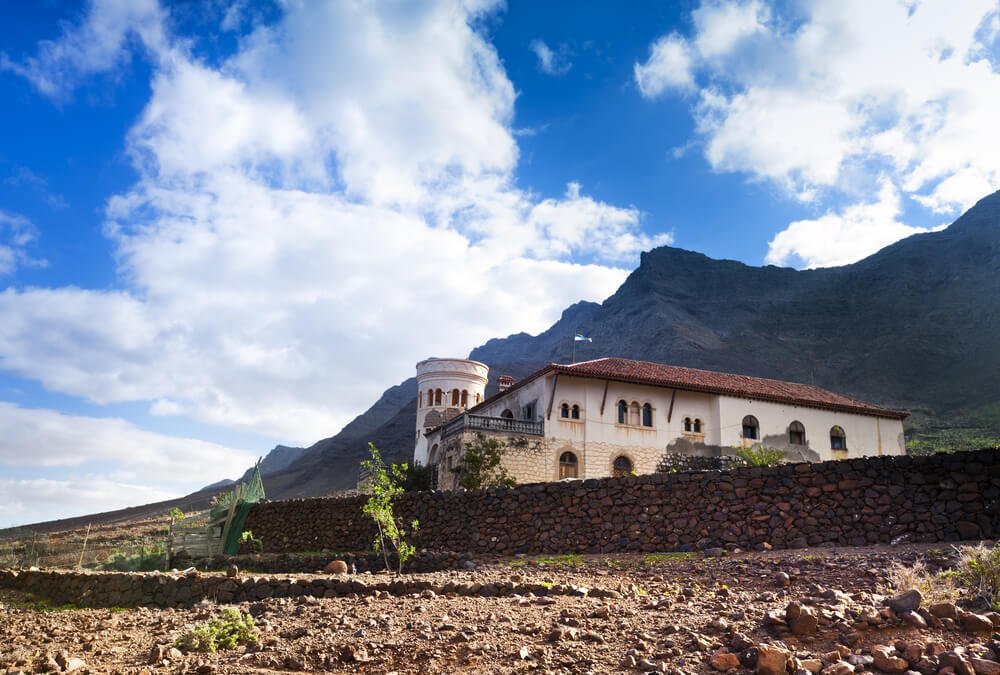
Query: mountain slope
[917,326]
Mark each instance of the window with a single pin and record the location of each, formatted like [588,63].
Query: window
[633,417]
[479,399]
[622,467]
[575,412]
[838,439]
[529,411]
[697,425]
[796,433]
[647,415]
[430,397]
[465,399]
[564,410]
[568,465]
[687,424]
[622,412]
[508,414]
[437,397]
[454,397]
[751,428]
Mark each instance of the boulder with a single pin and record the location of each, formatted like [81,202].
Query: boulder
[907,601]
[886,660]
[771,660]
[336,567]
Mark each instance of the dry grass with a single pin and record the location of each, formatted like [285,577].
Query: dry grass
[940,587]
[975,577]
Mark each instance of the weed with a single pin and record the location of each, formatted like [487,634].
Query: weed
[232,629]
[938,587]
[385,485]
[978,571]
[561,560]
[661,558]
[142,558]
[251,542]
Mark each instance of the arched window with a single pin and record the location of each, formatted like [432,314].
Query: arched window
[479,399]
[796,433]
[697,425]
[647,415]
[568,465]
[687,424]
[622,467]
[508,414]
[430,397]
[575,412]
[633,417]
[751,428]
[838,439]
[437,397]
[622,412]
[564,410]
[454,397]
[465,399]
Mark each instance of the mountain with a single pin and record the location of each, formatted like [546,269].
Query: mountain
[914,326]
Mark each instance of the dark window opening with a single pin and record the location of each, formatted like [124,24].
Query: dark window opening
[622,467]
[568,465]
[575,412]
[564,410]
[751,428]
[622,412]
[796,433]
[838,439]
[647,415]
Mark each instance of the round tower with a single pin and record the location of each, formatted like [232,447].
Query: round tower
[445,389]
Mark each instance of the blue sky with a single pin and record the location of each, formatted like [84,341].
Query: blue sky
[233,224]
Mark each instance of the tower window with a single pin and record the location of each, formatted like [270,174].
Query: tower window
[697,425]
[437,397]
[465,398]
[454,397]
[687,424]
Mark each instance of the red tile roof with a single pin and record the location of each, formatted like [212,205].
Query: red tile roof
[692,379]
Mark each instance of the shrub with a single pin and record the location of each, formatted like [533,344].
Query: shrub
[142,558]
[481,465]
[934,588]
[232,629]
[978,572]
[760,456]
[251,542]
[385,485]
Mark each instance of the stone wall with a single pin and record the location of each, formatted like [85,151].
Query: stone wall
[155,589]
[947,497]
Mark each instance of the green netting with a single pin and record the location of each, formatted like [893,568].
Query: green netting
[246,494]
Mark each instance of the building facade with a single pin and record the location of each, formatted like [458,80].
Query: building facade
[618,416]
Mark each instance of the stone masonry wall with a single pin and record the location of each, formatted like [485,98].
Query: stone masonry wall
[946,497]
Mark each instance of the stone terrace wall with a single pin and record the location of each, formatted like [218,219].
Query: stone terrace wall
[947,497]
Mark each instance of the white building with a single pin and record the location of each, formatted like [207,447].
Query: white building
[617,416]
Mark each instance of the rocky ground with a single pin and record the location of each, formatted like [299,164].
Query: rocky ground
[806,611]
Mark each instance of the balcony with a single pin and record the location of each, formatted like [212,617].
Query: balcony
[483,423]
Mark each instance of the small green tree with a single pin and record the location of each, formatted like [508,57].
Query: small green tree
[176,514]
[481,466]
[760,456]
[386,483]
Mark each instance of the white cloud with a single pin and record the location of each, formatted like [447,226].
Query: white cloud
[720,26]
[841,238]
[550,62]
[99,43]
[42,499]
[17,235]
[148,466]
[313,216]
[822,98]
[669,66]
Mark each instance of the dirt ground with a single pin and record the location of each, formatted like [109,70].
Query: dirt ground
[673,613]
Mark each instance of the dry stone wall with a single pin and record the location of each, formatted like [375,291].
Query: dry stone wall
[946,497]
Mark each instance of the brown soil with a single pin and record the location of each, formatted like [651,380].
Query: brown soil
[674,612]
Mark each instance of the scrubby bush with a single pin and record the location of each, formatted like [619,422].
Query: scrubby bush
[975,577]
[232,629]
[141,558]
[760,456]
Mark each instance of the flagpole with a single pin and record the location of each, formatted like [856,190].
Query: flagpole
[574,347]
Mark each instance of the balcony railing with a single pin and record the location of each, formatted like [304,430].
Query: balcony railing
[484,423]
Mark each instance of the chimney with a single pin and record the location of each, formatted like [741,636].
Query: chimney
[505,382]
